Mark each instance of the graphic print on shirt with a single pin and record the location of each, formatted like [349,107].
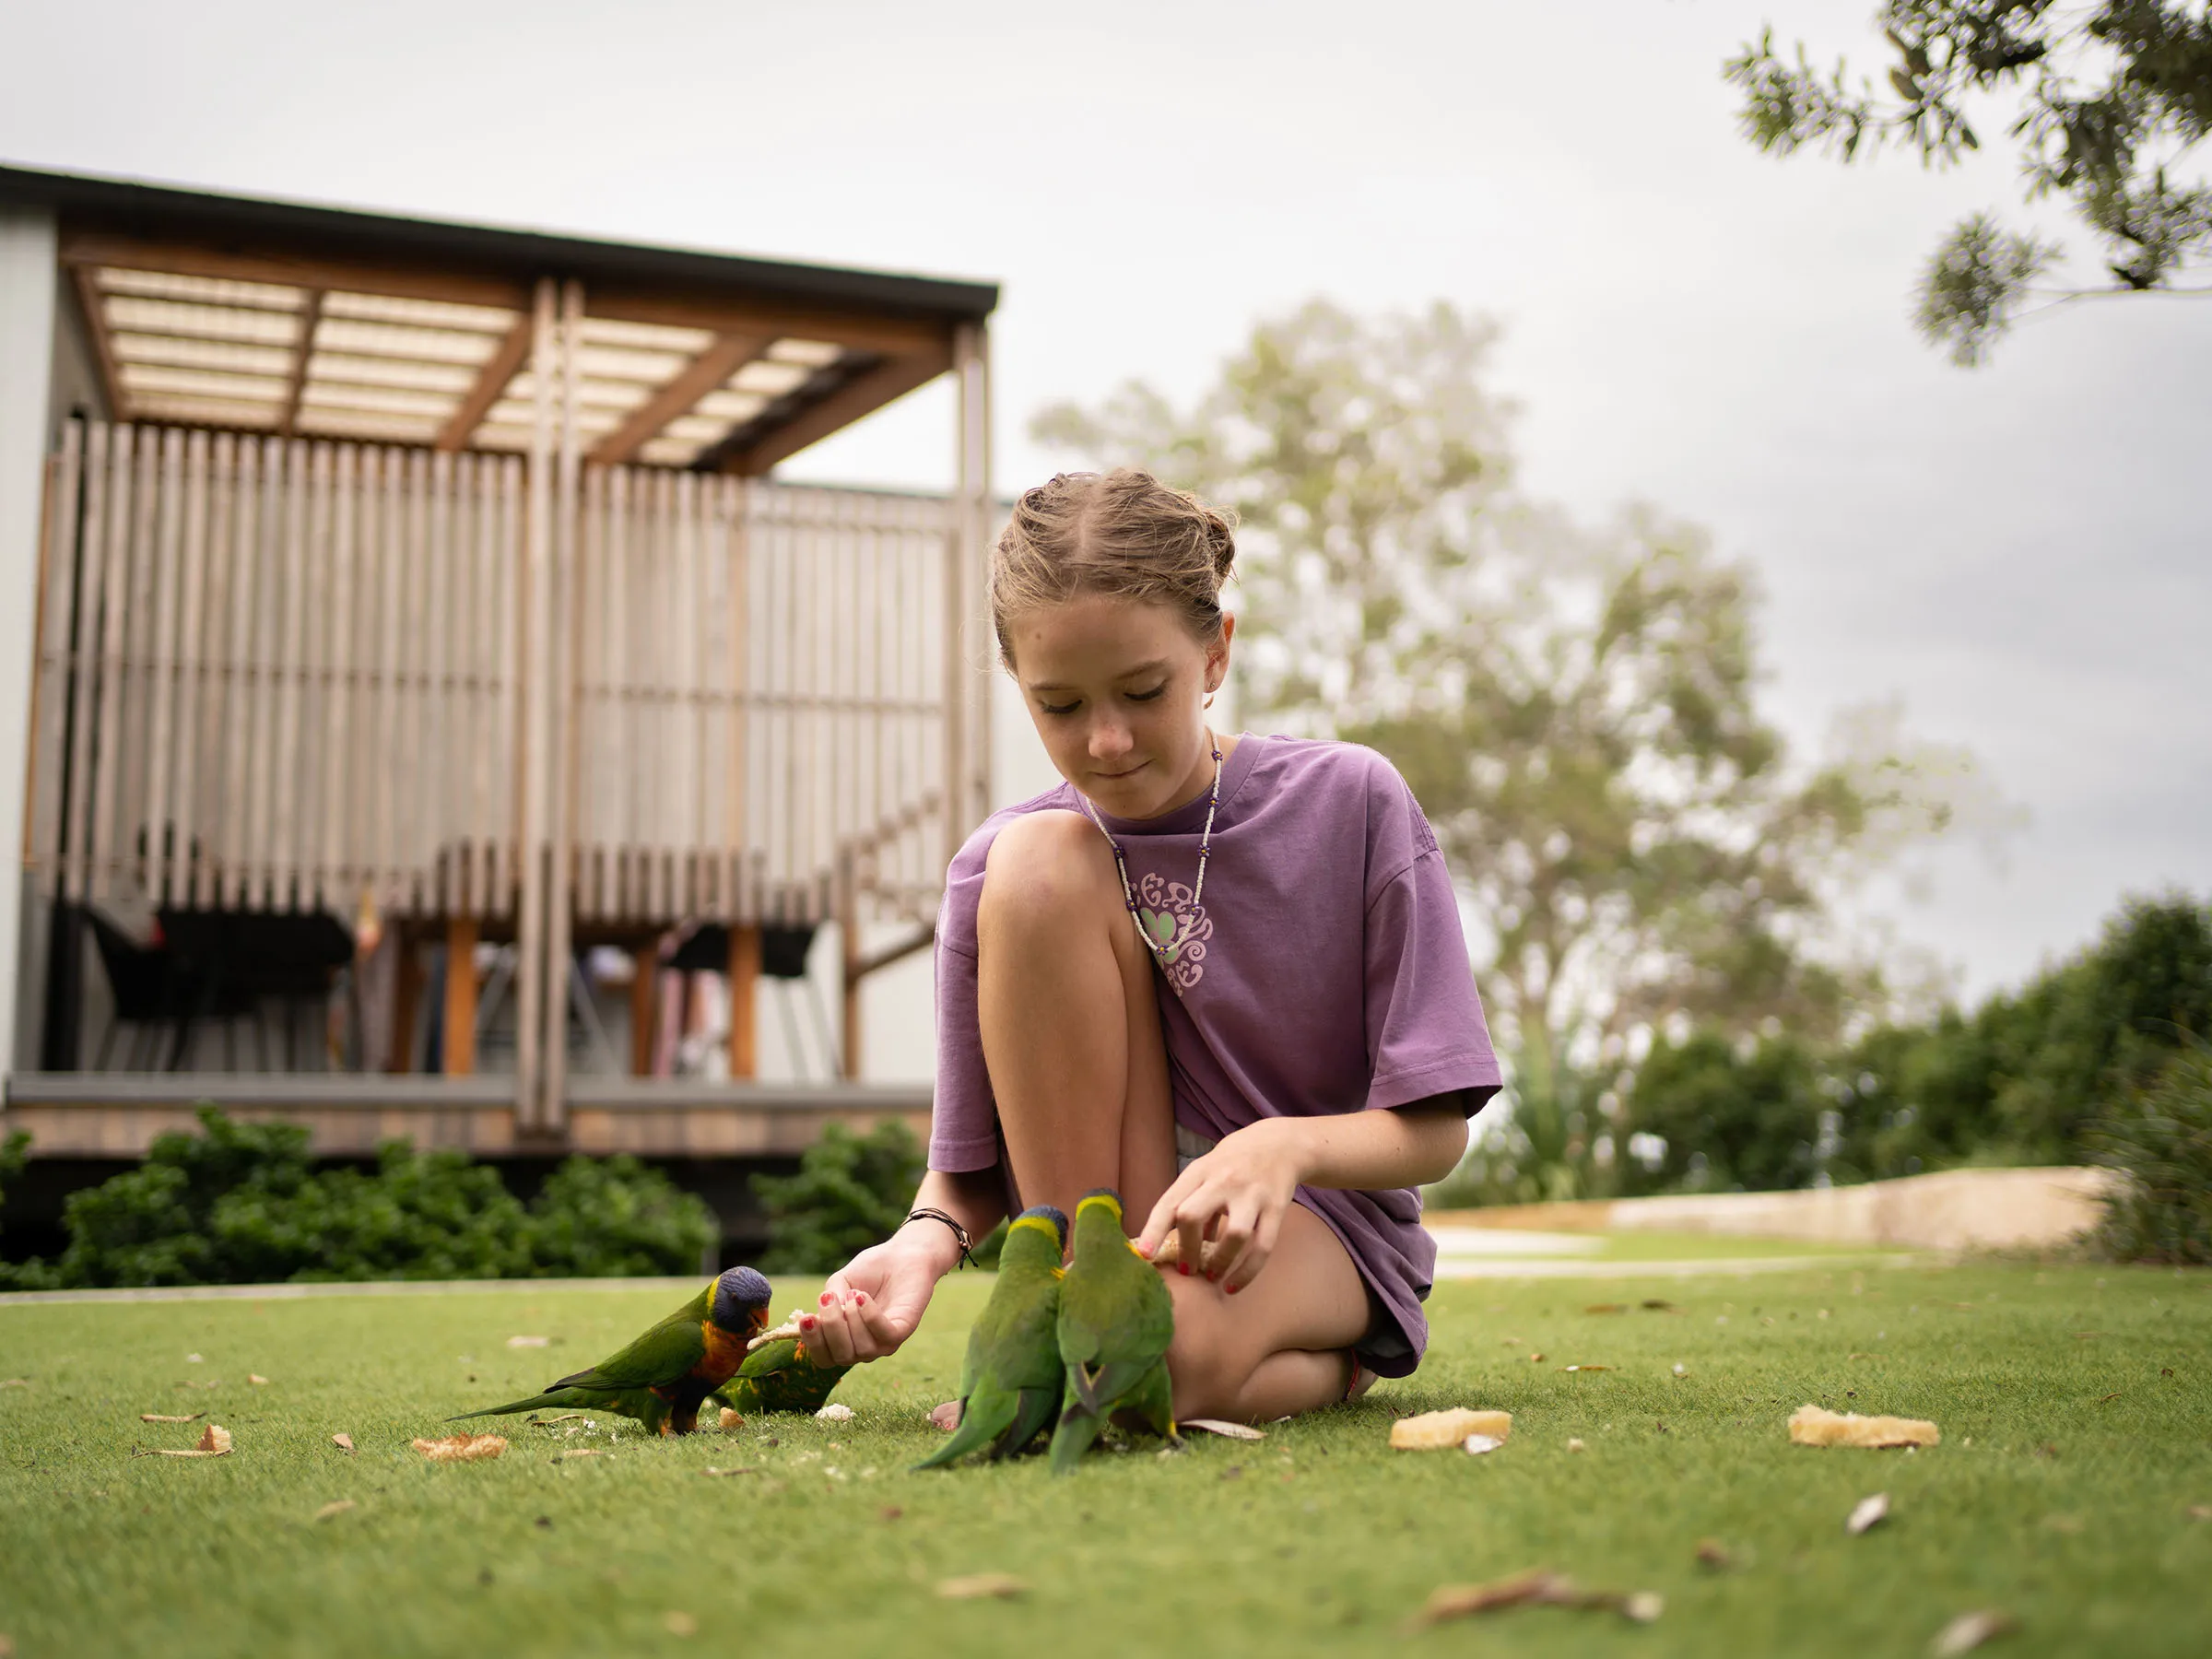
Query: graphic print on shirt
[1176,928]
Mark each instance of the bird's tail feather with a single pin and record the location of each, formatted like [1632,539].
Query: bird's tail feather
[1072,1438]
[536,1402]
[984,1417]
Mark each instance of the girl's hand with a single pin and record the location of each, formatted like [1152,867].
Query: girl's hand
[873,1303]
[1227,1209]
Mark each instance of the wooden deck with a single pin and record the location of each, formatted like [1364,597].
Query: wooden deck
[117,1114]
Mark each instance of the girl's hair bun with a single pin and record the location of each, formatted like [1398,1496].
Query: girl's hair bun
[1123,532]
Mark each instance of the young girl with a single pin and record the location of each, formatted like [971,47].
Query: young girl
[1223,975]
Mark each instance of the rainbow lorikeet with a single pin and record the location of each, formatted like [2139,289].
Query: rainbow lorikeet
[777,1375]
[662,1378]
[1116,1320]
[1011,1384]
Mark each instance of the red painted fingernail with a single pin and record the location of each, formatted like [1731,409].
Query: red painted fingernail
[1184,1268]
[1234,1288]
[807,1324]
[824,1299]
[1212,1277]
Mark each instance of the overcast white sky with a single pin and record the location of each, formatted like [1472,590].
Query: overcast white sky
[2021,554]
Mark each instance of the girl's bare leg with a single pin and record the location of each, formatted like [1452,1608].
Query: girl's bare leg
[1070,1029]
[1280,1345]
[1071,1037]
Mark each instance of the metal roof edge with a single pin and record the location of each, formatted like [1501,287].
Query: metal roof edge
[507,251]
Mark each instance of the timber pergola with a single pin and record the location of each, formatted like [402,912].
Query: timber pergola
[588,403]
[283,318]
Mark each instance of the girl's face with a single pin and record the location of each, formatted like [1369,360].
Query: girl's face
[1117,688]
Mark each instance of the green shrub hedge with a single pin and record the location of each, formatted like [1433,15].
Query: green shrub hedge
[241,1204]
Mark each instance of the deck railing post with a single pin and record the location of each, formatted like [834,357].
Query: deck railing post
[534,749]
[564,618]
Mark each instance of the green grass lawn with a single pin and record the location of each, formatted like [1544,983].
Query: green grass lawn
[1707,1247]
[2075,1405]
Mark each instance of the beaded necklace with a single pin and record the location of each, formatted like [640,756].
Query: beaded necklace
[1166,953]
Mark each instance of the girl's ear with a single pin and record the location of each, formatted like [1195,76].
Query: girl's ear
[1217,655]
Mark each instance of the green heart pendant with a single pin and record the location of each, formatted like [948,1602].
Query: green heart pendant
[1159,927]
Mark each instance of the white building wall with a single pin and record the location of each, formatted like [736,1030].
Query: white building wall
[27,305]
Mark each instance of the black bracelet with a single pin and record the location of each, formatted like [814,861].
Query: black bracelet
[960,1233]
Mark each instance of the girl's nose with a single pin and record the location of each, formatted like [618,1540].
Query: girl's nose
[1109,740]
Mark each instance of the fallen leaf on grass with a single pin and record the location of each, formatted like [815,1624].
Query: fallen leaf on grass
[889,1511]
[1475,1445]
[462,1447]
[1606,1308]
[1811,1426]
[976,1586]
[837,1411]
[1576,1445]
[1867,1512]
[1657,1304]
[1535,1358]
[1589,1368]
[679,1624]
[2200,1512]
[1970,1631]
[749,1469]
[258,1382]
[156,1417]
[338,1508]
[1439,1431]
[1243,1431]
[25,1382]
[2110,1396]
[946,1417]
[730,1420]
[1538,1587]
[214,1443]
[344,1442]
[522,1342]
[1714,1554]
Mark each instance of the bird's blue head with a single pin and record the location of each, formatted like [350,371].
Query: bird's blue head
[740,1303]
[1047,1215]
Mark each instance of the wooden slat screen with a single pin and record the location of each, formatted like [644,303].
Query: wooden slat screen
[277,674]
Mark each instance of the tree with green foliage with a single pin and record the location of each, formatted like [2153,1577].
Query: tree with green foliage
[1734,1114]
[2104,103]
[2159,1143]
[1577,710]
[2036,1075]
[851,1191]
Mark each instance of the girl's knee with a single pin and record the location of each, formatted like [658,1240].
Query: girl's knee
[1045,865]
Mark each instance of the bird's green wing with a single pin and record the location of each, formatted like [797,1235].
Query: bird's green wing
[778,1376]
[660,1357]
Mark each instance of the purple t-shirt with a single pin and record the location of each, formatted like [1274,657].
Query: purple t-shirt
[1324,972]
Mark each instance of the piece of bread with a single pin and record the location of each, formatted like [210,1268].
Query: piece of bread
[1441,1430]
[1811,1426]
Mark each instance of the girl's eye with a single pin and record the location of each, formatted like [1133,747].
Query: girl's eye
[1148,696]
[1056,709]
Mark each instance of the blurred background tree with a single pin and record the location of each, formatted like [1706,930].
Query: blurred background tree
[1576,711]
[2103,103]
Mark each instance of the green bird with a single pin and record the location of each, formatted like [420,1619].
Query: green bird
[1011,1384]
[777,1375]
[1116,1320]
[662,1377]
